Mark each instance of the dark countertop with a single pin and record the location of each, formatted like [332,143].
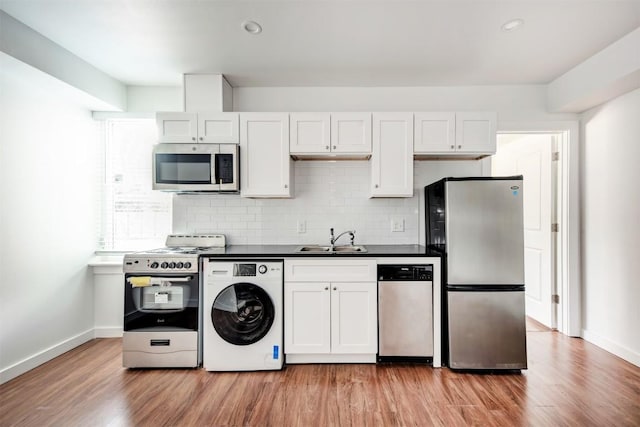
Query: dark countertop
[289,251]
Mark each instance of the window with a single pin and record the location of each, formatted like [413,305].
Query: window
[134,217]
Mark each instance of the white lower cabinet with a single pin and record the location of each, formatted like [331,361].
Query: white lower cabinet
[330,320]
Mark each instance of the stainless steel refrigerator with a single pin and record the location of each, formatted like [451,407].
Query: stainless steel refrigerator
[477,225]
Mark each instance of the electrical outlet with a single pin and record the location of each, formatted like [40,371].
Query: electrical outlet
[397,225]
[302,226]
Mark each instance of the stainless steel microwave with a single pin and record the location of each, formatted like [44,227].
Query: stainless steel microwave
[196,167]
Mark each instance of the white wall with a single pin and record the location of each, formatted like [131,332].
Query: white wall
[610,231]
[49,152]
[31,47]
[327,194]
[512,103]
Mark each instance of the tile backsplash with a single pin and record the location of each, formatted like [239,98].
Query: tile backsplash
[327,194]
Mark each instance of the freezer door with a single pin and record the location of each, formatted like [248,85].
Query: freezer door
[487,330]
[484,232]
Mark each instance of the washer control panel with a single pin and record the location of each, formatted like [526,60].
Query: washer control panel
[256,269]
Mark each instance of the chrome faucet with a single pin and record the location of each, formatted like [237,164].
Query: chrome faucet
[333,239]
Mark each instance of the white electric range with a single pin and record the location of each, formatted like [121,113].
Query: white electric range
[162,312]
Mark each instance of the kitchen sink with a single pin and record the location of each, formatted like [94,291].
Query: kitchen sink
[344,249]
[314,248]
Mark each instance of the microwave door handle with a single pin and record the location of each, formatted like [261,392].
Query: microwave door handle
[214,170]
[216,180]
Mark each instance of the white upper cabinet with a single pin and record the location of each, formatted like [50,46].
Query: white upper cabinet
[435,132]
[177,127]
[204,127]
[351,132]
[219,128]
[392,155]
[264,155]
[455,134]
[310,133]
[476,132]
[335,133]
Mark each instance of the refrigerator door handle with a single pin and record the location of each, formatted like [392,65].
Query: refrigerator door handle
[485,288]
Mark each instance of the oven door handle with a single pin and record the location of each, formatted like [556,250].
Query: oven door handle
[171,279]
[154,280]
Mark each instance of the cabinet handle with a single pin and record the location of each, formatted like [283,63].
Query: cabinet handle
[326,288]
[453,146]
[327,148]
[193,138]
[335,289]
[459,147]
[334,147]
[286,186]
[201,138]
[376,186]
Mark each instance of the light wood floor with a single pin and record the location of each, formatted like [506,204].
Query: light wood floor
[569,383]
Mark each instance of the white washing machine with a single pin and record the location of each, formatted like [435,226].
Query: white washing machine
[242,315]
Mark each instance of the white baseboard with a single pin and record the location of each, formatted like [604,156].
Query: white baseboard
[112,332]
[612,347]
[38,359]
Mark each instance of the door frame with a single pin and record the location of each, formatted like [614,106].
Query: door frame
[567,255]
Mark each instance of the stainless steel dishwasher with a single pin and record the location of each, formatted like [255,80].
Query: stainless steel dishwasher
[405,313]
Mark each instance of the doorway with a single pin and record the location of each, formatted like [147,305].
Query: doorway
[567,250]
[533,156]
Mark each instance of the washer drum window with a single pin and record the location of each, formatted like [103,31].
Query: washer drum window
[242,314]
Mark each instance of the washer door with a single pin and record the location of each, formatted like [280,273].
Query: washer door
[242,314]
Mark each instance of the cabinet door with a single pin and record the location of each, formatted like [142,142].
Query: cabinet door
[434,133]
[392,155]
[264,155]
[219,128]
[351,132]
[307,323]
[476,132]
[354,320]
[310,133]
[177,127]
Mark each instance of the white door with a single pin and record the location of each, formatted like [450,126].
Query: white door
[530,156]
[307,323]
[354,318]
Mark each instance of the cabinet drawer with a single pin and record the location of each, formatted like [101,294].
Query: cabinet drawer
[330,270]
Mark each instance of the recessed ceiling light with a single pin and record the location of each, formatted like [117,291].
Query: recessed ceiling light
[512,25]
[251,27]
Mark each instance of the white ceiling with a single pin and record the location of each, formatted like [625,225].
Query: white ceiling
[331,43]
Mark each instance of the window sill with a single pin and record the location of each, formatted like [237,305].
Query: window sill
[106,261]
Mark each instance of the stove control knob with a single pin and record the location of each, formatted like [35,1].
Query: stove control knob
[172,265]
[262,269]
[164,265]
[154,265]
[187,265]
[179,265]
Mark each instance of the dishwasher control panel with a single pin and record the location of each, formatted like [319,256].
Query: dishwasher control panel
[403,272]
